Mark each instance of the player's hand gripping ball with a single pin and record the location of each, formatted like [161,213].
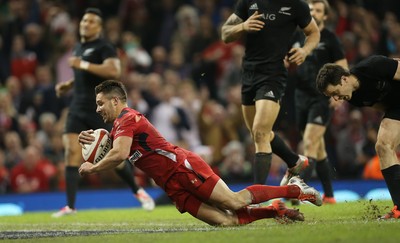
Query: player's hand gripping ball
[96,151]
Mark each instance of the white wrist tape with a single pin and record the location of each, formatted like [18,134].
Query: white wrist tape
[84,65]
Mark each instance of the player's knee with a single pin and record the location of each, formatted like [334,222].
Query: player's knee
[383,147]
[234,203]
[307,143]
[260,136]
[228,221]
[228,218]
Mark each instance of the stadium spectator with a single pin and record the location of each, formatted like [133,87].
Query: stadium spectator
[4,174]
[46,130]
[22,61]
[190,102]
[4,63]
[63,53]
[350,142]
[49,103]
[231,71]
[8,115]
[186,178]
[13,148]
[159,60]
[28,175]
[234,167]
[35,42]
[165,116]
[216,129]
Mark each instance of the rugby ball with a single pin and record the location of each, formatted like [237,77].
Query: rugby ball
[96,151]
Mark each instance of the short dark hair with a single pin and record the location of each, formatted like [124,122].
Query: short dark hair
[324,2]
[330,74]
[95,11]
[112,88]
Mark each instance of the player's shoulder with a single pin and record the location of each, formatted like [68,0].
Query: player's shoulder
[127,112]
[328,35]
[130,114]
[372,60]
[286,3]
[328,32]
[372,64]
[295,3]
[102,44]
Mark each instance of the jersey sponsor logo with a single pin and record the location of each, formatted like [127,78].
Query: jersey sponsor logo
[284,10]
[268,16]
[135,156]
[318,120]
[254,6]
[269,94]
[87,52]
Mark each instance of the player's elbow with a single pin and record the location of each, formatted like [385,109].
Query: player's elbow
[225,37]
[122,155]
[117,154]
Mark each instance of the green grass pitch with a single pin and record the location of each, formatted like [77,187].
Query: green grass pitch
[343,222]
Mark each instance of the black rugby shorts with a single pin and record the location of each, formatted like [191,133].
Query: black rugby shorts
[79,121]
[259,86]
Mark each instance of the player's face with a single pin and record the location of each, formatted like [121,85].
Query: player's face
[317,11]
[105,108]
[342,91]
[90,26]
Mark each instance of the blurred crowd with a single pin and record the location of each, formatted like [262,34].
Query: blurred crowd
[178,73]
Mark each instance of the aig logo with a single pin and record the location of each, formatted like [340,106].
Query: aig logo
[269,16]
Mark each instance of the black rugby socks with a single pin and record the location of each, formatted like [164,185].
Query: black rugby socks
[72,179]
[392,179]
[261,167]
[324,172]
[307,173]
[280,148]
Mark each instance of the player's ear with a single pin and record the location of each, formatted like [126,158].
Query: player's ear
[115,101]
[342,80]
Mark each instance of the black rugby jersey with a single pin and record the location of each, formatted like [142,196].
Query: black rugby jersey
[377,86]
[94,52]
[266,49]
[329,50]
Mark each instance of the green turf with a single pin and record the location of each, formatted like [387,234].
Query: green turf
[343,222]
